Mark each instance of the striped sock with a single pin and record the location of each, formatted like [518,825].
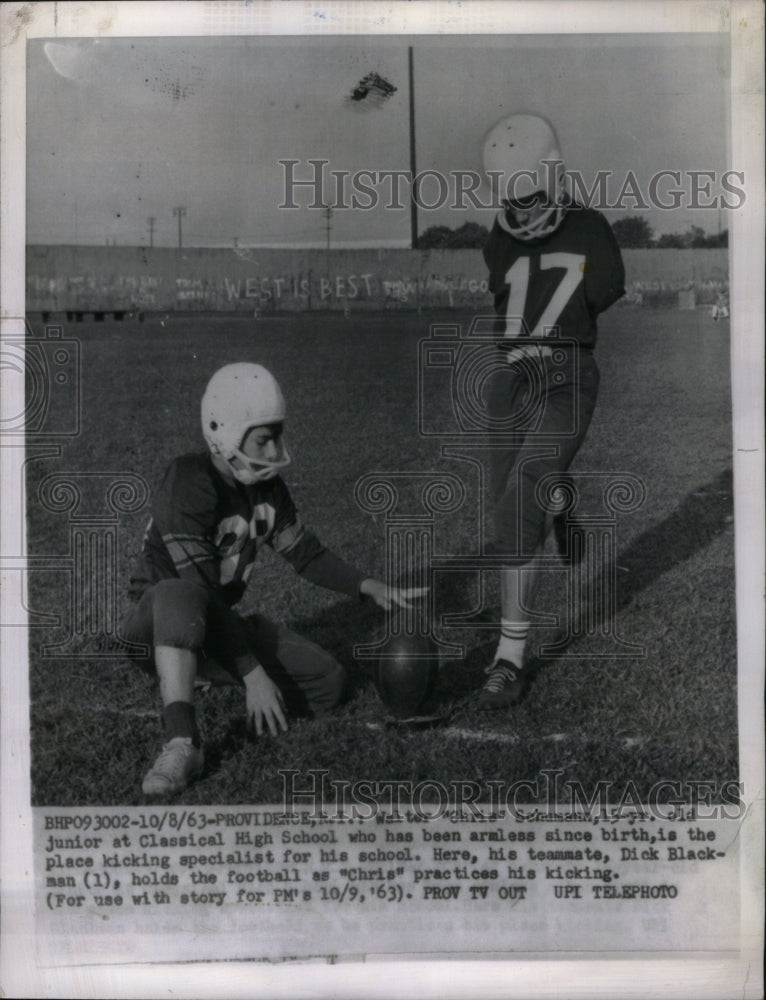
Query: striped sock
[513,638]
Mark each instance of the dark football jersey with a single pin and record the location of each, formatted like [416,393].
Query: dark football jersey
[557,285]
[206,529]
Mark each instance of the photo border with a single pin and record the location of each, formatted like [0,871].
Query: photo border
[703,977]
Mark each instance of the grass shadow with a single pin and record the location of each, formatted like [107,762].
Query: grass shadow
[702,516]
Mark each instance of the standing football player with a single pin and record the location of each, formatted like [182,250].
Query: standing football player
[553,267]
[211,514]
[721,308]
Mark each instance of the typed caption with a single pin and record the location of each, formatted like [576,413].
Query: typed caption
[296,884]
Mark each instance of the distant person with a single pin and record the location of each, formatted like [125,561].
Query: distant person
[212,513]
[720,308]
[553,268]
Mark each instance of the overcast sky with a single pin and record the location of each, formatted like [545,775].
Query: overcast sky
[121,130]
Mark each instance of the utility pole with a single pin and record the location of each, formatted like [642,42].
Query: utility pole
[151,220]
[413,174]
[180,211]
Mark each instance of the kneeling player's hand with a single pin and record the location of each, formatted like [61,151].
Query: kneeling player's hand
[264,702]
[387,597]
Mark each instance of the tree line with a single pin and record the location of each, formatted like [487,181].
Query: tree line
[631,233]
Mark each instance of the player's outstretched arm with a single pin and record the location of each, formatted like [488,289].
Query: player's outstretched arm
[317,564]
[387,597]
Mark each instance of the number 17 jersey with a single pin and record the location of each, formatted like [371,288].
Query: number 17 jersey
[555,286]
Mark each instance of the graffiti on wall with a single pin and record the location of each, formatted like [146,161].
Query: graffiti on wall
[658,291]
[272,290]
[92,290]
[446,286]
[347,287]
[196,292]
[102,279]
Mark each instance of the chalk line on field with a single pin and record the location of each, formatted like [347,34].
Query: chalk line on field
[493,736]
[481,735]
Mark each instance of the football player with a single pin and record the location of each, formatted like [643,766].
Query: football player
[211,514]
[721,308]
[553,267]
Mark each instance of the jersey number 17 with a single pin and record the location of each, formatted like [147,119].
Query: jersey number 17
[573,266]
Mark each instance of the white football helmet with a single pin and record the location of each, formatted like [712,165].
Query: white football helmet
[523,161]
[239,397]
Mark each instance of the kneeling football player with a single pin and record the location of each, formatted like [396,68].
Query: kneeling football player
[212,512]
[554,266]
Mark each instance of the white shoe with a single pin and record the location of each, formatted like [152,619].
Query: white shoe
[179,764]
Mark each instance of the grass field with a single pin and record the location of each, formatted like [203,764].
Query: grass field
[664,415]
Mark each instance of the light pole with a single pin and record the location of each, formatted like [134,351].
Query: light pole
[180,211]
[413,203]
[151,220]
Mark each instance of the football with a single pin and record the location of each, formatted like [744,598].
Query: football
[405,674]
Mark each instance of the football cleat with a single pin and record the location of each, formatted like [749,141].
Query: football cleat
[239,397]
[505,687]
[523,160]
[177,766]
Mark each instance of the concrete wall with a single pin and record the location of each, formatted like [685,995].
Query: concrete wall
[655,277]
[87,279]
